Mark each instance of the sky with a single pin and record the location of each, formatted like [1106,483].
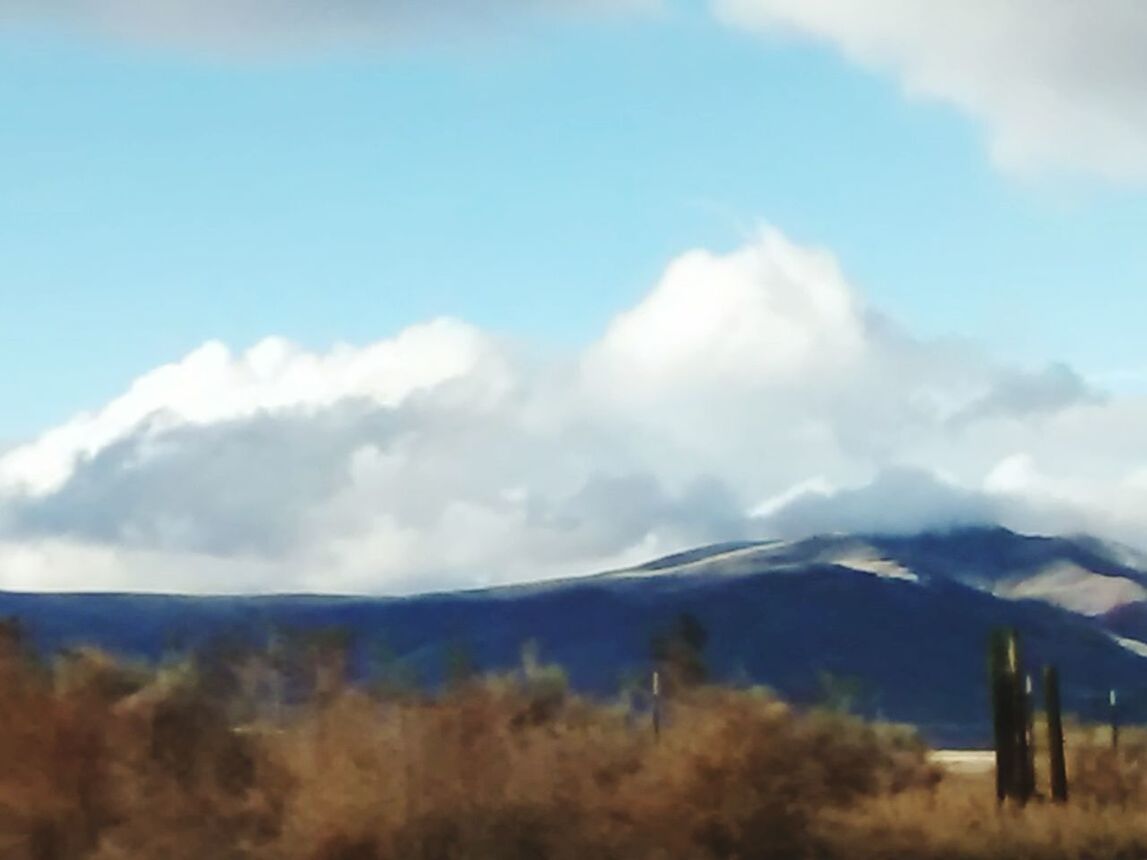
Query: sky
[371,297]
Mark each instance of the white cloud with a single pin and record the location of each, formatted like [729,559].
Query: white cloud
[749,391]
[896,501]
[273,25]
[710,317]
[1057,84]
[211,385]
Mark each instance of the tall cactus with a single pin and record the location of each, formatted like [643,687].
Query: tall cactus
[1001,713]
[1027,756]
[1057,769]
[1011,719]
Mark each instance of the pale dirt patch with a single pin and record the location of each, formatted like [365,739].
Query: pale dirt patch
[970,762]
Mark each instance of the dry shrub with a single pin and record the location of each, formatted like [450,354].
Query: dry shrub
[1106,818]
[742,775]
[102,762]
[53,779]
[498,769]
[961,821]
[185,784]
[1109,777]
[470,772]
[1101,775]
[110,762]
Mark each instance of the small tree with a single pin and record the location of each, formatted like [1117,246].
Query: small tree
[329,651]
[389,675]
[545,686]
[460,666]
[678,653]
[842,694]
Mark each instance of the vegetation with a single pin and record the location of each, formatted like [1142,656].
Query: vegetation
[678,653]
[108,761]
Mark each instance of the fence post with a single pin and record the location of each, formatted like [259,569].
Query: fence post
[656,704]
[1057,767]
[1113,701]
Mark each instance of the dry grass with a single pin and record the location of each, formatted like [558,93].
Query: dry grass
[961,820]
[107,762]
[486,773]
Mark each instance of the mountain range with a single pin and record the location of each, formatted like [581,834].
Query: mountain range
[903,619]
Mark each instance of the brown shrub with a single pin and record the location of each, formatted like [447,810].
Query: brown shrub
[961,821]
[485,772]
[1102,775]
[104,763]
[53,778]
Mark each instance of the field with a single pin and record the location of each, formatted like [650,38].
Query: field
[196,759]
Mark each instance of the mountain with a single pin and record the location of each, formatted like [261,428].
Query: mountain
[908,617]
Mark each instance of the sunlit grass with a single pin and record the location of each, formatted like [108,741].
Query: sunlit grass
[110,762]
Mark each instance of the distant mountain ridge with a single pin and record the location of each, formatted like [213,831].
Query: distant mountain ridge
[1079,573]
[908,616]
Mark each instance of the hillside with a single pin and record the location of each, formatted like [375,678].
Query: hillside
[906,616]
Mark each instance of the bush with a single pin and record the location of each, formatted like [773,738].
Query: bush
[111,762]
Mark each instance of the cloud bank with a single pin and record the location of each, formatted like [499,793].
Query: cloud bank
[1056,85]
[749,393]
[273,25]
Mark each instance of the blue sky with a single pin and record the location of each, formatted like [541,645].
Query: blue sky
[534,183]
[379,297]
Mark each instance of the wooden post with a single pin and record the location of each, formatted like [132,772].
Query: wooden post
[1113,701]
[656,704]
[1057,770]
[1027,762]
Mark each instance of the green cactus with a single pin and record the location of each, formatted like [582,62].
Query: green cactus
[1015,769]
[1057,768]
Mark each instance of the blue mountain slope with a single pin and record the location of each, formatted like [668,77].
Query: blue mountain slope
[997,553]
[693,555]
[903,616]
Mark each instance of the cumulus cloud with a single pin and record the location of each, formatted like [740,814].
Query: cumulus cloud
[896,501]
[907,500]
[211,385]
[259,25]
[1057,85]
[1021,393]
[750,392]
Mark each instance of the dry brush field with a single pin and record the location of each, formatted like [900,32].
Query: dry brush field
[108,761]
